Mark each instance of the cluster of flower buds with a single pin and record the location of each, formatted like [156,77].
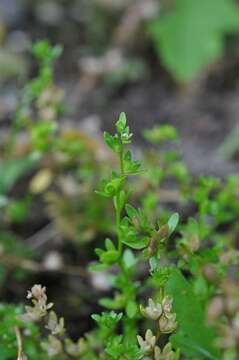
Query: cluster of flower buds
[53,346]
[226,305]
[55,326]
[48,103]
[76,349]
[161,312]
[166,354]
[40,307]
[40,311]
[158,238]
[148,346]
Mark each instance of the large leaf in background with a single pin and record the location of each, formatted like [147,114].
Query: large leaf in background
[192,35]
[194,337]
[13,169]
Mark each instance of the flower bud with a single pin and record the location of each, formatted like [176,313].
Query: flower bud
[167,324]
[166,354]
[167,304]
[148,344]
[152,311]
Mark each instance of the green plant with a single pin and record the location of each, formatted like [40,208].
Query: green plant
[134,232]
[138,240]
[172,287]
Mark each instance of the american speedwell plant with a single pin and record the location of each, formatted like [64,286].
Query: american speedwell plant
[134,232]
[128,330]
[165,287]
[158,316]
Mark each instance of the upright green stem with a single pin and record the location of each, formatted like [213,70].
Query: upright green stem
[118,205]
[118,220]
[121,155]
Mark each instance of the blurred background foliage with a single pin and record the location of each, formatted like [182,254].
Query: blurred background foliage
[188,35]
[173,61]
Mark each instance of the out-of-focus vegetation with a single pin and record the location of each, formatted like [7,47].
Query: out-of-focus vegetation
[171,277]
[191,35]
[111,38]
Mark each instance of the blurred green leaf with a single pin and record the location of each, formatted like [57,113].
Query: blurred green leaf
[12,170]
[193,337]
[160,133]
[121,123]
[129,258]
[131,211]
[173,222]
[191,36]
[45,52]
[131,309]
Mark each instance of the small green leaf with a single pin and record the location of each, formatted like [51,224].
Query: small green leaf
[109,257]
[107,319]
[131,309]
[12,170]
[109,245]
[136,243]
[45,52]
[110,141]
[160,133]
[112,304]
[98,267]
[129,258]
[154,263]
[173,222]
[131,211]
[121,123]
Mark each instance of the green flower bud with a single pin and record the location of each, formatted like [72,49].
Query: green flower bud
[167,324]
[152,311]
[148,344]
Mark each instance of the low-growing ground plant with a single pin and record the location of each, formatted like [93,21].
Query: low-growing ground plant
[171,282]
[162,315]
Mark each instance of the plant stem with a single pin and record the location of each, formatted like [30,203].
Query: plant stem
[118,220]
[19,344]
[118,205]
[158,334]
[121,155]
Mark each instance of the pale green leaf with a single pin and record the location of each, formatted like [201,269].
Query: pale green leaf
[194,337]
